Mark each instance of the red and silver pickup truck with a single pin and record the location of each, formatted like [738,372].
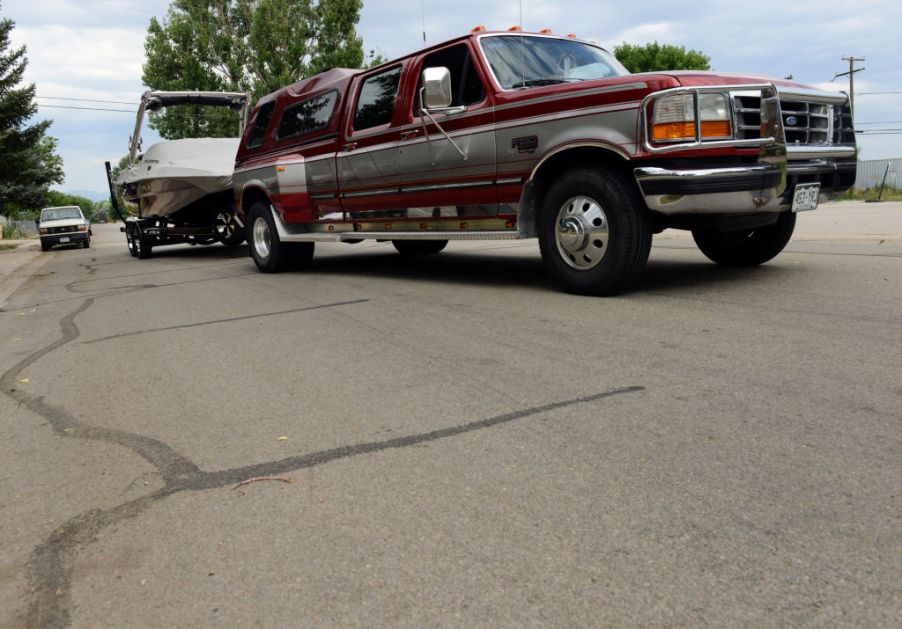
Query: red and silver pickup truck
[507,135]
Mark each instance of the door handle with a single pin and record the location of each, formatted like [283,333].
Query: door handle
[409,135]
[350,146]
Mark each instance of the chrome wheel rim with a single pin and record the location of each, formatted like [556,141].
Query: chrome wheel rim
[262,238]
[226,225]
[582,233]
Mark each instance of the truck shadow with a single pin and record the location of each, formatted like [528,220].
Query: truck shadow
[495,270]
[528,272]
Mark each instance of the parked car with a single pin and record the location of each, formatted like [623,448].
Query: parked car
[506,135]
[63,226]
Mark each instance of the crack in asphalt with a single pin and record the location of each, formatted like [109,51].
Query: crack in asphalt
[199,324]
[50,568]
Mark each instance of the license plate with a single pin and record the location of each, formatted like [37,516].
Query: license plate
[805,197]
[64,239]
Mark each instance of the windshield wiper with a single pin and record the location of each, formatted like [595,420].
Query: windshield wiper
[540,82]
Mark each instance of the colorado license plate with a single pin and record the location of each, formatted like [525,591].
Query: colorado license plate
[64,239]
[806,197]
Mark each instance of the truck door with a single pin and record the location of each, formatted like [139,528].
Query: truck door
[367,160]
[435,178]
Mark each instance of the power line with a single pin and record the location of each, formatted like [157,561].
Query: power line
[884,122]
[87,100]
[123,111]
[876,93]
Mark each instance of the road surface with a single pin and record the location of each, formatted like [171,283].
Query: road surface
[449,441]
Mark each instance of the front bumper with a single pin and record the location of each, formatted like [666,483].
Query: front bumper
[761,187]
[65,239]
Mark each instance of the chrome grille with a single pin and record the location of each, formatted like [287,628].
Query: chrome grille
[805,122]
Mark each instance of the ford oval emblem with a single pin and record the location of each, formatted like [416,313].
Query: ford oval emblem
[791,121]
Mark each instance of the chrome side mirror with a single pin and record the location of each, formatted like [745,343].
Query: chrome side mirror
[437,88]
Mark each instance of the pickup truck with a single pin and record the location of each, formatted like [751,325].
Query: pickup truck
[63,225]
[509,135]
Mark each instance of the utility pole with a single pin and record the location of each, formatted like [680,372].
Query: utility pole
[851,74]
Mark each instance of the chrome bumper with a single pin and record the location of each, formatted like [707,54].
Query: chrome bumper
[760,187]
[737,190]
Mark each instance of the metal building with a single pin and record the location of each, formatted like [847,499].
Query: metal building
[871,173]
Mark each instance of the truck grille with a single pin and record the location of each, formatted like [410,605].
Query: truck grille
[61,230]
[805,122]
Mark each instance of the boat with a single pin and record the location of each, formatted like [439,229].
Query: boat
[180,191]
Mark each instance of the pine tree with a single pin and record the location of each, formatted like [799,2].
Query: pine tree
[28,160]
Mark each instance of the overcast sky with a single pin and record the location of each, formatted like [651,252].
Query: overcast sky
[94,49]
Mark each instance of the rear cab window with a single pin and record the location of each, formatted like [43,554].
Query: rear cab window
[308,116]
[261,123]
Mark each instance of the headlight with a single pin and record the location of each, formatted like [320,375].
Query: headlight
[674,118]
[82,228]
[43,231]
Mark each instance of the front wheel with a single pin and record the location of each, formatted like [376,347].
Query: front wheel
[594,232]
[747,247]
[45,244]
[270,254]
[419,247]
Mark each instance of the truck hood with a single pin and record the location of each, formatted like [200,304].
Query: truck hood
[695,78]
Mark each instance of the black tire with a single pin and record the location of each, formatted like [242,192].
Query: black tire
[87,243]
[232,233]
[130,242]
[746,247]
[594,232]
[269,253]
[419,247]
[143,245]
[45,245]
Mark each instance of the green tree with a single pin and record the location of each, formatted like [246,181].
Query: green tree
[29,164]
[254,46]
[56,199]
[659,57]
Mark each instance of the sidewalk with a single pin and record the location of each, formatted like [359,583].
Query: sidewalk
[27,253]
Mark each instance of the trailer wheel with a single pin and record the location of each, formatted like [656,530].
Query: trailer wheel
[747,247]
[594,232]
[142,244]
[419,247]
[230,232]
[269,253]
[130,241]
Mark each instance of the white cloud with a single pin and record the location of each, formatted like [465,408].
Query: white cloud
[94,49]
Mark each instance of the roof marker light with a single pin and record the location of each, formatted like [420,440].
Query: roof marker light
[515,29]
[545,31]
[478,29]
[572,35]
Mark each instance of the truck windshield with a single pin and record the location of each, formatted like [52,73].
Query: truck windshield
[521,61]
[60,213]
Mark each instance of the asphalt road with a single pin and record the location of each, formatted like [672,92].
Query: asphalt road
[462,445]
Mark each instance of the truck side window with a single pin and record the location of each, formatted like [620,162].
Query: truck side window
[258,131]
[466,86]
[377,99]
[308,116]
